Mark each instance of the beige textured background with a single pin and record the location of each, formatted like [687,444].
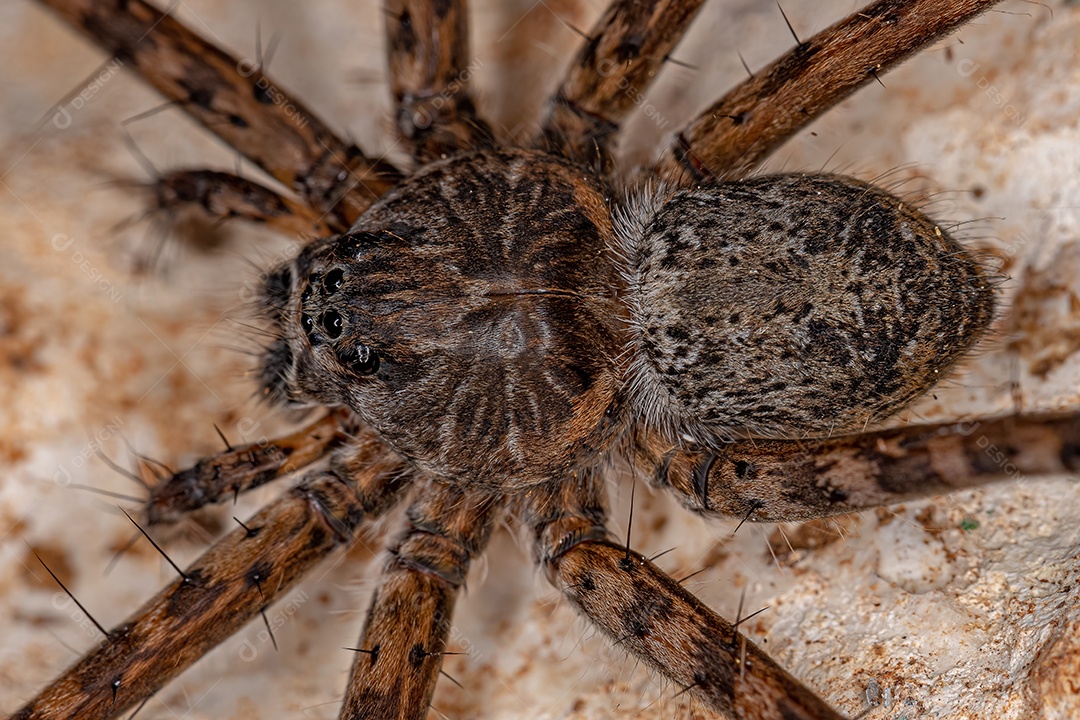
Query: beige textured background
[962,607]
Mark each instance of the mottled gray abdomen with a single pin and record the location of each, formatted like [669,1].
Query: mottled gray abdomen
[792,305]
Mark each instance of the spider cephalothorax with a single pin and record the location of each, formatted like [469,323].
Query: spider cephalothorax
[477,301]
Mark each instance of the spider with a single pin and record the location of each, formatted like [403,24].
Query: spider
[639,498]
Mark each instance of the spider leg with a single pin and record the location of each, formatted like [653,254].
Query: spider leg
[610,74]
[231,583]
[779,480]
[654,617]
[236,101]
[223,476]
[745,126]
[404,639]
[428,51]
[224,196]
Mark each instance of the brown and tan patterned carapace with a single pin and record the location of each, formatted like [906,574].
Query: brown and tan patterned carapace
[495,330]
[478,300]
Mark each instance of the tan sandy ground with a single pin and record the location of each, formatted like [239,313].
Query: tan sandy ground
[962,607]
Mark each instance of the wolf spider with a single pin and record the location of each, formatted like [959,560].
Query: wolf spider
[426,660]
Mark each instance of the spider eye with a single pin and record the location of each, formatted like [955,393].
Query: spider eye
[333,280]
[332,323]
[362,359]
[308,323]
[313,280]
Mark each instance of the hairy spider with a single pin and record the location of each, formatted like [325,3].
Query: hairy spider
[842,682]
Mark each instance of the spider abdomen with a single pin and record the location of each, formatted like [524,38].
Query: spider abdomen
[792,305]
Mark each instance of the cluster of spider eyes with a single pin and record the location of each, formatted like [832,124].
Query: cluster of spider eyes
[331,320]
[360,359]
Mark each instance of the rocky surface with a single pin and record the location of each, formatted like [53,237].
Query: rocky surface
[957,607]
